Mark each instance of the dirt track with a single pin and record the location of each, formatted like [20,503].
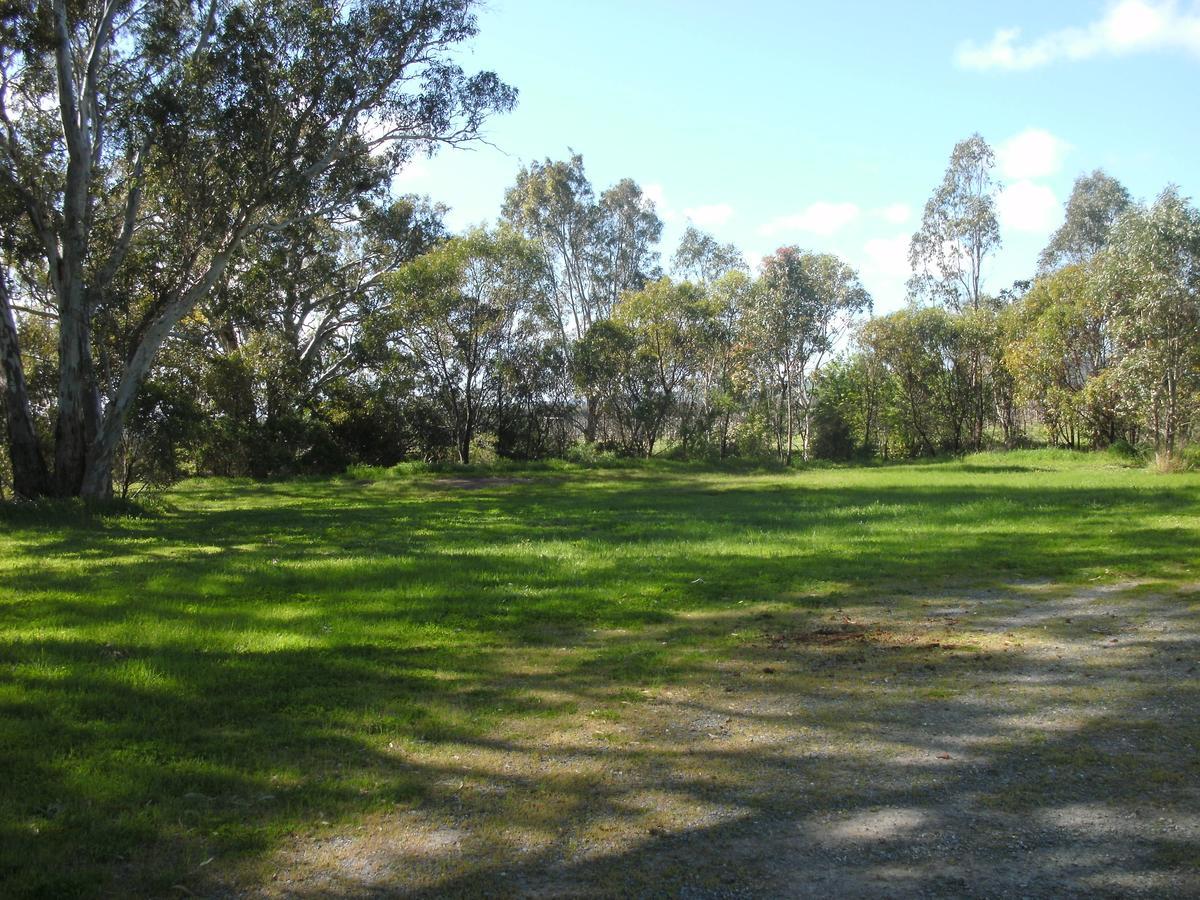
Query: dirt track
[1021,743]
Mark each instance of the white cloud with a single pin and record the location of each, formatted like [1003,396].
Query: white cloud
[1034,153]
[1025,206]
[414,171]
[705,215]
[896,213]
[818,218]
[1131,26]
[655,193]
[713,214]
[753,260]
[888,257]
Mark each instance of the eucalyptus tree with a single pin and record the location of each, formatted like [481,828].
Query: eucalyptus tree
[721,374]
[606,367]
[554,204]
[958,233]
[28,467]
[453,313]
[1096,202]
[294,307]
[593,250]
[1149,275]
[702,259]
[958,230]
[532,411]
[1059,350]
[922,350]
[668,320]
[712,399]
[804,304]
[146,142]
[624,254]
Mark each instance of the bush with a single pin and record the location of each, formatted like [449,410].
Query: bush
[833,436]
[1190,455]
[586,454]
[1167,462]
[1122,449]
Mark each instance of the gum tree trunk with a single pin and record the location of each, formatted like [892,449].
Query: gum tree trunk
[30,478]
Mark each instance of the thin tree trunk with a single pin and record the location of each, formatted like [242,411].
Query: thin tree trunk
[589,426]
[30,478]
[790,427]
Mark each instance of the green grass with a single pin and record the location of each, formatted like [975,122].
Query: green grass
[239,662]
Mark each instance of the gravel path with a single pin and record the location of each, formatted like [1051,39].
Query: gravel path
[1025,742]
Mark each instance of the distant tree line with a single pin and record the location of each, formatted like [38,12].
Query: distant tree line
[206,271]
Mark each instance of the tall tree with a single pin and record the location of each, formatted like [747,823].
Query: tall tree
[145,143]
[702,259]
[720,381]
[1058,349]
[1150,277]
[628,231]
[667,320]
[304,293]
[1096,202]
[958,230]
[806,302]
[593,250]
[947,254]
[452,313]
[554,204]
[922,351]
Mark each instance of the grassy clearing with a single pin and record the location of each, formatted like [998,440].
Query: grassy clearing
[248,679]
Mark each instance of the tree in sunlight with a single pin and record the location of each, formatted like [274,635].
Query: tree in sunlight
[145,143]
[958,230]
[453,313]
[1150,278]
[1096,202]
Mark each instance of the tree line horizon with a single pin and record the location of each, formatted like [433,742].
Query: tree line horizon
[207,271]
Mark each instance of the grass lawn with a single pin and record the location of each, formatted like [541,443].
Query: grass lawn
[963,677]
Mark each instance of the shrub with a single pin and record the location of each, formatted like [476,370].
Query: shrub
[1167,462]
[586,454]
[1190,456]
[1125,450]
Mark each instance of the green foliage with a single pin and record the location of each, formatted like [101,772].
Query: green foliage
[1096,202]
[1059,351]
[839,429]
[362,333]
[924,352]
[453,313]
[803,304]
[1190,457]
[187,134]
[958,230]
[1150,277]
[701,259]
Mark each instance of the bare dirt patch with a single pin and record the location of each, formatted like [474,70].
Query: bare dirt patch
[475,484]
[874,636]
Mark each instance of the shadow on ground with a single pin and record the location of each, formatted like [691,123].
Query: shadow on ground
[681,685]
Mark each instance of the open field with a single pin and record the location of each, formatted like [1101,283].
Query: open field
[963,678]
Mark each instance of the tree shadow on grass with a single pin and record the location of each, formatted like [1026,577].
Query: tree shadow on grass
[202,684]
[1021,783]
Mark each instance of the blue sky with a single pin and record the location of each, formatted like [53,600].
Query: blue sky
[828,125]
